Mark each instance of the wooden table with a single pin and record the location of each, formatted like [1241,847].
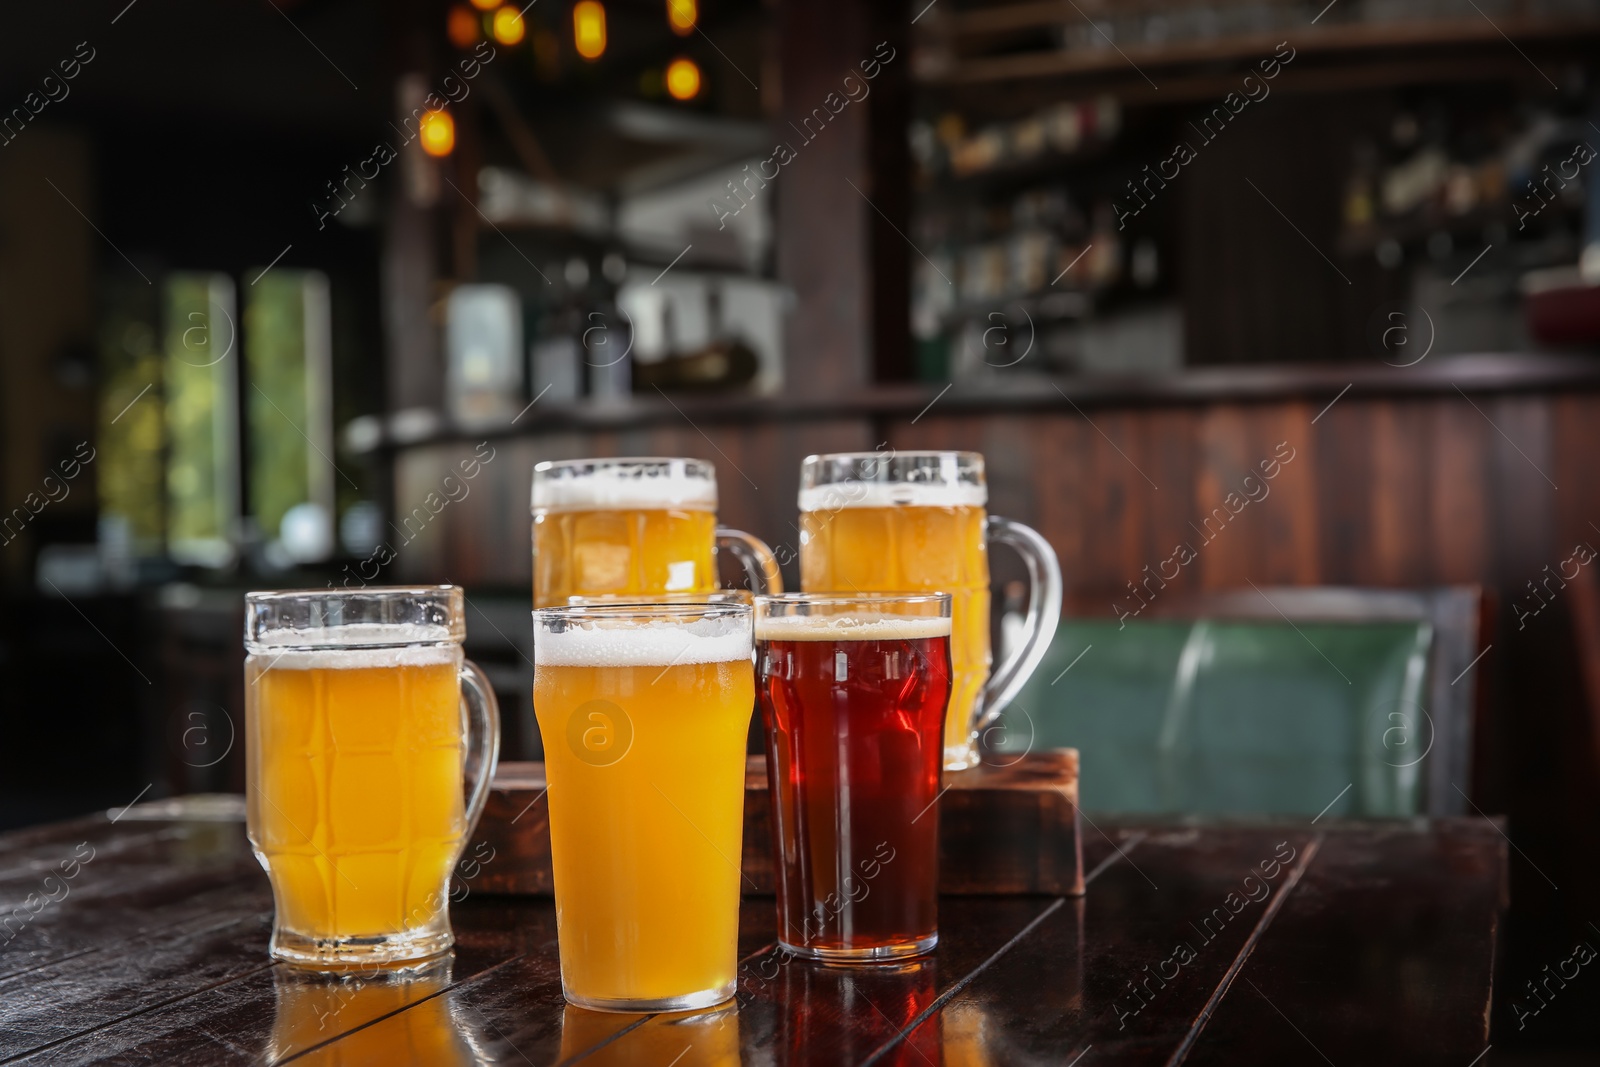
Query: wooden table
[1370,944]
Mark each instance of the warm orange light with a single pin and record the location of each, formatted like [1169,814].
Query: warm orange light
[683,79]
[589,28]
[508,27]
[485,5]
[682,15]
[438,133]
[462,27]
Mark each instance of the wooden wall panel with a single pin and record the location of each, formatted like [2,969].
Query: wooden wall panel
[1575,462]
[1522,511]
[1171,505]
[1400,532]
[1062,504]
[1271,541]
[1343,475]
[1381,491]
[1459,526]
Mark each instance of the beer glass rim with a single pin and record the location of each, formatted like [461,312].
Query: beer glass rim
[833,480]
[713,596]
[976,458]
[548,465]
[383,616]
[833,599]
[657,610]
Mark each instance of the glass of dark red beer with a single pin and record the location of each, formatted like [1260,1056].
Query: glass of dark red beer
[853,689]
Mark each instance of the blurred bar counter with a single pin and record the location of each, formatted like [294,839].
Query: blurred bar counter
[1436,474]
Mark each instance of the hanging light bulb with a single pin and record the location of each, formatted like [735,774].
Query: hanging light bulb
[508,26]
[683,79]
[589,28]
[682,16]
[437,132]
[462,27]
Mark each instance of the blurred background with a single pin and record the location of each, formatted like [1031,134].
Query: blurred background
[295,293]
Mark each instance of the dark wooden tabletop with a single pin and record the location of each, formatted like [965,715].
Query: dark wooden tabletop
[145,941]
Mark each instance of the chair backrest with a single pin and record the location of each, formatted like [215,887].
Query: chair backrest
[1266,701]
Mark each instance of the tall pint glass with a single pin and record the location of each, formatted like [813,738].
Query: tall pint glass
[644,710]
[370,743]
[634,527]
[917,521]
[854,690]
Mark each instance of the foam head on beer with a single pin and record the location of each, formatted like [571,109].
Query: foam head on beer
[598,644]
[852,627]
[625,483]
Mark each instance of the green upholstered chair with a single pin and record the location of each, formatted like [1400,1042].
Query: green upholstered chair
[1266,702]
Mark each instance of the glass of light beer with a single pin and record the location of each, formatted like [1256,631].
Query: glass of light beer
[644,710]
[917,521]
[370,743]
[854,690]
[634,527]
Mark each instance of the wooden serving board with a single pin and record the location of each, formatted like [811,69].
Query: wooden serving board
[1002,829]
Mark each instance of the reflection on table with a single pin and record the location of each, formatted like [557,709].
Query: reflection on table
[315,1008]
[685,1039]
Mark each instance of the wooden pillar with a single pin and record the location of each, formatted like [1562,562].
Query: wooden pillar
[844,196]
[413,363]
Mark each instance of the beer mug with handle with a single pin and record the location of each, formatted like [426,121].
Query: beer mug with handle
[634,527]
[370,743]
[892,522]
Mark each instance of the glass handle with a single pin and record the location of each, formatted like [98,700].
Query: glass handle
[760,565]
[483,739]
[1044,614]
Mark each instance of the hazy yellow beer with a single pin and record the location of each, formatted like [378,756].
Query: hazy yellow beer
[644,711]
[632,527]
[356,772]
[918,522]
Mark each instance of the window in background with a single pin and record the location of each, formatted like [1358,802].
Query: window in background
[201,343]
[289,410]
[130,433]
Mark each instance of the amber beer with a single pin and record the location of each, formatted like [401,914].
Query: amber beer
[632,527]
[644,711]
[356,770]
[918,521]
[913,547]
[854,692]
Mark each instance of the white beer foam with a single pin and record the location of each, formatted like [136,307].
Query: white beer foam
[842,495]
[612,487]
[852,628]
[598,643]
[415,646]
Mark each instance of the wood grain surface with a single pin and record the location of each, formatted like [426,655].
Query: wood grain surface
[1360,943]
